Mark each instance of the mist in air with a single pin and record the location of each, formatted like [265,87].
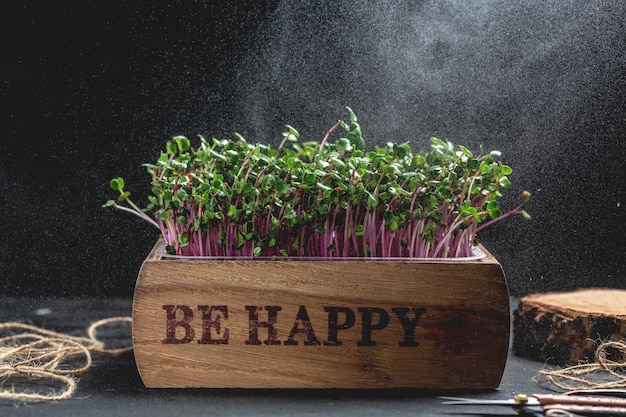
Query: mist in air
[535,80]
[93,92]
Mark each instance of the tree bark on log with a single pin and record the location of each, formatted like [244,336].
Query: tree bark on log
[565,328]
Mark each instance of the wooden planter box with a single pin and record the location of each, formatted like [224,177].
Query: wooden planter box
[320,324]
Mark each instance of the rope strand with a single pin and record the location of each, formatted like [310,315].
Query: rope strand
[31,353]
[593,375]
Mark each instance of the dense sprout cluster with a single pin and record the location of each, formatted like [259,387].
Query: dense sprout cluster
[322,199]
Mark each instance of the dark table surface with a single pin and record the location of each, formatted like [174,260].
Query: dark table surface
[112,386]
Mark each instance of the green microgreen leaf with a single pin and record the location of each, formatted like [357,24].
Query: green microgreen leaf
[117,184]
[123,196]
[183,239]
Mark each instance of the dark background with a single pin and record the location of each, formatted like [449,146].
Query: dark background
[93,90]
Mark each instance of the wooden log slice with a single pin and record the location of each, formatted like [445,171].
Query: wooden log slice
[564,328]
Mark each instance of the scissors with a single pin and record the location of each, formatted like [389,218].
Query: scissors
[610,402]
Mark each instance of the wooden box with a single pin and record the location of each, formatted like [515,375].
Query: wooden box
[320,323]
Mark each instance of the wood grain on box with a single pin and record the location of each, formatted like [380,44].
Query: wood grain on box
[320,324]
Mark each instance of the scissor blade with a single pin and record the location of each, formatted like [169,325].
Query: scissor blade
[476,401]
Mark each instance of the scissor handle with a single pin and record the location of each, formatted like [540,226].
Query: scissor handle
[573,410]
[583,400]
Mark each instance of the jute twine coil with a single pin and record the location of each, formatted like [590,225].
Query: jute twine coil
[34,354]
[605,373]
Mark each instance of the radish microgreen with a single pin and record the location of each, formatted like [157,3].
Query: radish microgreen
[228,197]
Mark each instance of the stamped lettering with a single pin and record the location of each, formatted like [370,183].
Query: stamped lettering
[212,323]
[172,324]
